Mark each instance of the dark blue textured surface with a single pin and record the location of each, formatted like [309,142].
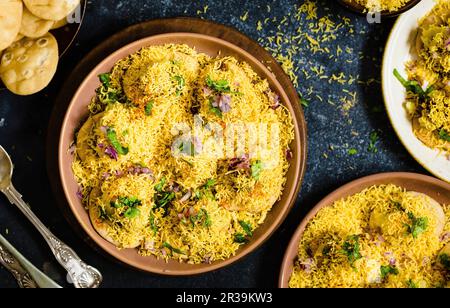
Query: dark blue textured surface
[332,132]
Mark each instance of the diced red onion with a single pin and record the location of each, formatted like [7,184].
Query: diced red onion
[198,146]
[149,245]
[207,260]
[79,194]
[191,211]
[186,197]
[379,241]
[72,149]
[186,213]
[180,216]
[106,175]
[392,261]
[445,236]
[307,265]
[104,129]
[207,91]
[240,163]
[289,154]
[146,171]
[101,145]
[175,187]
[111,152]
[224,103]
[275,101]
[215,103]
[447,43]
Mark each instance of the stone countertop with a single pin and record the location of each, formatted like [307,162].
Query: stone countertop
[337,65]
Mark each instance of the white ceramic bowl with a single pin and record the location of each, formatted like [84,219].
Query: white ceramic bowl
[399,50]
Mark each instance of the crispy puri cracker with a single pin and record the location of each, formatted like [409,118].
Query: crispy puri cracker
[51,9]
[29,65]
[60,23]
[33,26]
[10,20]
[18,37]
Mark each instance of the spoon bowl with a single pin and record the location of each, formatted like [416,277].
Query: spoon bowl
[81,274]
[6,169]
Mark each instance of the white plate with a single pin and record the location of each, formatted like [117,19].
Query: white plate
[398,51]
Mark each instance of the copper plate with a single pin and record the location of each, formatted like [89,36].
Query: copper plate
[359,9]
[78,110]
[436,189]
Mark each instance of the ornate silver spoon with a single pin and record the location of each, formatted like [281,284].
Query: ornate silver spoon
[81,274]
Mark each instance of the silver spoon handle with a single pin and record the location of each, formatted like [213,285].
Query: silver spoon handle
[81,274]
[22,277]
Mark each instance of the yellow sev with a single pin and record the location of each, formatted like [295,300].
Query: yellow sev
[431,116]
[321,262]
[381,5]
[202,228]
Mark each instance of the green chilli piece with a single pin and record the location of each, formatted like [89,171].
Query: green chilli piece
[149,108]
[173,249]
[181,83]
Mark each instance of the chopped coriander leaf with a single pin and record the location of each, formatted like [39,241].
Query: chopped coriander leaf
[210,183]
[398,206]
[159,187]
[350,248]
[256,169]
[173,249]
[352,151]
[374,137]
[163,199]
[411,284]
[132,212]
[187,147]
[240,238]
[218,85]
[413,86]
[388,270]
[417,226]
[102,214]
[444,259]
[153,225]
[198,194]
[326,250]
[304,102]
[247,227]
[207,221]
[215,110]
[148,108]
[105,79]
[181,83]
[126,201]
[107,95]
[112,137]
[206,190]
[203,217]
[444,135]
